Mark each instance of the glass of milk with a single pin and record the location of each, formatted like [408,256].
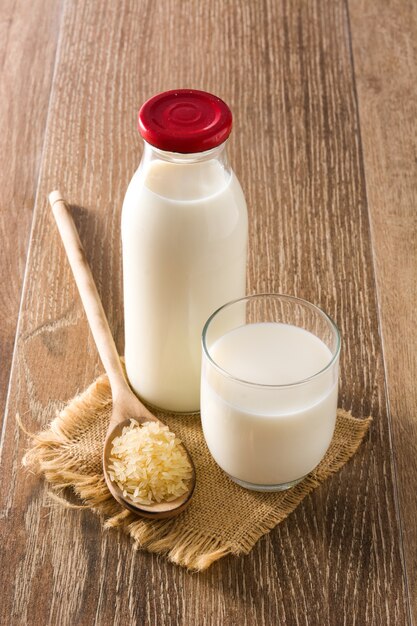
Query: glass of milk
[269,389]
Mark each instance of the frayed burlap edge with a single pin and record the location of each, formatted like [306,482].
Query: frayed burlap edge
[196,550]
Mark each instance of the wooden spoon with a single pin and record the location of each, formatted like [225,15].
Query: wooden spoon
[126,405]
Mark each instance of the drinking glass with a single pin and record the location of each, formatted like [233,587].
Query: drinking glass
[269,387]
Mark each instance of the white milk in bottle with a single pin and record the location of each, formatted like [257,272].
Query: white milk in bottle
[184,237]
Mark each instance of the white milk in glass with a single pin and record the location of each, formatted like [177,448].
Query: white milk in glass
[184,234]
[259,433]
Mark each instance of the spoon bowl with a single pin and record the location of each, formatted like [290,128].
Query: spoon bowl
[158,510]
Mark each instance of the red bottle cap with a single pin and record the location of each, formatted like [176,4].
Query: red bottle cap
[185,120]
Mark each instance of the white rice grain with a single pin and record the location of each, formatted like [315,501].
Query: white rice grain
[148,463]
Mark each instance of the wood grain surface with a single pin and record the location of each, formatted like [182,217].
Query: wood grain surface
[386,77]
[27,55]
[287,71]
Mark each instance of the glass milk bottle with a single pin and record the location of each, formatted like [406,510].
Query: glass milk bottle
[184,237]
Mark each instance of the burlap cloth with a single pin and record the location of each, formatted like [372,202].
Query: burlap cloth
[222,518]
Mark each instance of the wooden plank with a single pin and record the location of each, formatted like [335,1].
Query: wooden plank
[27,51]
[285,68]
[386,77]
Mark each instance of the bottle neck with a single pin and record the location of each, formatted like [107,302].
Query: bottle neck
[185,176]
[219,153]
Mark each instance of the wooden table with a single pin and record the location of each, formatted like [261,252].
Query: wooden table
[324,142]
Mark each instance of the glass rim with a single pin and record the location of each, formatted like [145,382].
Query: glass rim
[297,383]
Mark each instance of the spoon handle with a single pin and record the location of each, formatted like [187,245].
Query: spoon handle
[88,291]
